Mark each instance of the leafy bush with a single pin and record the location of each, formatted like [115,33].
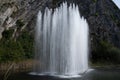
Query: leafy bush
[11,51]
[7,34]
[26,41]
[106,53]
[20,49]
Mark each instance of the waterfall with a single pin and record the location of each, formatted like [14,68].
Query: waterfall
[61,42]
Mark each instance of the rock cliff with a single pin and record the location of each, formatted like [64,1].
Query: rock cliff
[18,15]
[103,17]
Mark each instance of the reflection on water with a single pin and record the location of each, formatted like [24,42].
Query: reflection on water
[99,74]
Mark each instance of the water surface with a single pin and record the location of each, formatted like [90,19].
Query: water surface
[98,74]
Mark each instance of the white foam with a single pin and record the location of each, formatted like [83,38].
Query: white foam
[58,76]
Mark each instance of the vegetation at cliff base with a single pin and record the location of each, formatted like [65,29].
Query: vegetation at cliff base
[106,53]
[11,50]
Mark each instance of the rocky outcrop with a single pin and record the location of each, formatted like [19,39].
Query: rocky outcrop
[103,17]
[17,14]
[104,22]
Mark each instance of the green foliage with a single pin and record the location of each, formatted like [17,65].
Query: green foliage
[18,50]
[94,1]
[20,23]
[106,53]
[7,34]
[10,51]
[26,41]
[96,14]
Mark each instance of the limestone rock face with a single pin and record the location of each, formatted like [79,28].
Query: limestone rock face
[17,14]
[103,17]
[104,22]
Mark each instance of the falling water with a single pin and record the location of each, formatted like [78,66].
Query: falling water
[61,42]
